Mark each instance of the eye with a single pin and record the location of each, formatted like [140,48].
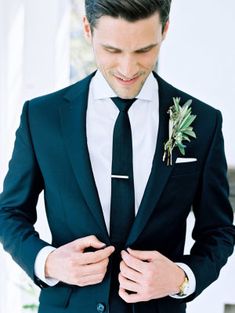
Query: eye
[147,49]
[144,50]
[112,50]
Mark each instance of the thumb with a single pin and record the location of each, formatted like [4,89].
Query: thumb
[142,255]
[87,242]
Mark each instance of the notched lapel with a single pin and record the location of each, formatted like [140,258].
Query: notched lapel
[73,124]
[160,171]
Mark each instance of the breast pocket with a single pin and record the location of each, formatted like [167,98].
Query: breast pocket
[183,169]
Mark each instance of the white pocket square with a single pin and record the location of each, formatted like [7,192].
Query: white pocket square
[185,160]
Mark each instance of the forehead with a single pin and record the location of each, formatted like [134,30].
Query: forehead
[121,33]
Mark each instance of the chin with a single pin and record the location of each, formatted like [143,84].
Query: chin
[125,93]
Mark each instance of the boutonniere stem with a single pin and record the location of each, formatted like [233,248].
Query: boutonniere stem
[180,128]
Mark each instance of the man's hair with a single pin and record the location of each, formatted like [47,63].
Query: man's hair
[130,10]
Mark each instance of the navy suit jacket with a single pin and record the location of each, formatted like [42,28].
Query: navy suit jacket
[51,155]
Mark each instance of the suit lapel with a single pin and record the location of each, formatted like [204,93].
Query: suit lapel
[160,171]
[73,124]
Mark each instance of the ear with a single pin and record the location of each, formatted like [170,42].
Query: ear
[87,29]
[166,28]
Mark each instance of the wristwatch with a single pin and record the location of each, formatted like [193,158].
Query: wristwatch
[184,287]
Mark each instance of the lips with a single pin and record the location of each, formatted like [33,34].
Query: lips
[127,81]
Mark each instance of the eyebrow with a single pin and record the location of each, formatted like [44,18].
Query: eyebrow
[149,47]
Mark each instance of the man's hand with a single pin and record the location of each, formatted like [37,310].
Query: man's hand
[147,275]
[72,265]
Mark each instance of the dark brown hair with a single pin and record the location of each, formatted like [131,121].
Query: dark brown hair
[130,10]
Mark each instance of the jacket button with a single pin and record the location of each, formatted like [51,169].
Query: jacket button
[100,307]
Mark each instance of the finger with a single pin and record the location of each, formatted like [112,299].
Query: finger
[143,255]
[130,273]
[129,297]
[97,268]
[128,284]
[89,241]
[97,256]
[133,262]
[90,280]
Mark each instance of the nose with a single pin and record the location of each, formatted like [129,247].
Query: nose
[128,66]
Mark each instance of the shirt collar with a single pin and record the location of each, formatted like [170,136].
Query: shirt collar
[101,89]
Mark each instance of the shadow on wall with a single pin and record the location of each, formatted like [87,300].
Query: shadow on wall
[231,177]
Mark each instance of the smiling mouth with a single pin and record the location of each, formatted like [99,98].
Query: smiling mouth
[127,81]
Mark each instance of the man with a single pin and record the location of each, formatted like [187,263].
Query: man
[118,235]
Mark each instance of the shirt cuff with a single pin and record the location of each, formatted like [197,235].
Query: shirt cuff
[191,281]
[39,266]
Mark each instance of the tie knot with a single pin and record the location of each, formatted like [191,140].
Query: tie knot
[123,104]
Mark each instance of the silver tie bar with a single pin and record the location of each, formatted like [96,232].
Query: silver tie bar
[120,176]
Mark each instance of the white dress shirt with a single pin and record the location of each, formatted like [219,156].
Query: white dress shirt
[101,116]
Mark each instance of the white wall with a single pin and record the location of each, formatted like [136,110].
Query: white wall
[34,60]
[198,56]
[11,52]
[11,41]
[47,40]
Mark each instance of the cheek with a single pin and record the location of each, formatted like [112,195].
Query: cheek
[106,64]
[104,60]
[149,60]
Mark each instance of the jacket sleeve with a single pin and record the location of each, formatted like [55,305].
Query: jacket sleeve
[213,232]
[18,201]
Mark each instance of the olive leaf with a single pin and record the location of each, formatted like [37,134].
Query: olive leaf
[180,128]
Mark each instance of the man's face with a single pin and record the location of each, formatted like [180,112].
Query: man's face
[126,52]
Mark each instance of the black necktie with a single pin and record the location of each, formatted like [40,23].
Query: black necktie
[122,198]
[122,192]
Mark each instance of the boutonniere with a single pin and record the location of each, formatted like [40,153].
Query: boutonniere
[180,128]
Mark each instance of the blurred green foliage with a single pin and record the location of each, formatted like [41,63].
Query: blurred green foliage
[81,56]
